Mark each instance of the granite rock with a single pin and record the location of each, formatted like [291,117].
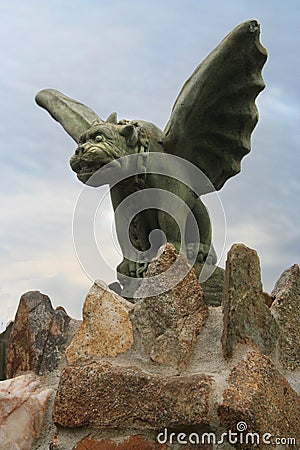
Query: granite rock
[247,318]
[286,309]
[137,442]
[4,339]
[268,299]
[23,403]
[39,336]
[259,396]
[169,323]
[103,395]
[106,329]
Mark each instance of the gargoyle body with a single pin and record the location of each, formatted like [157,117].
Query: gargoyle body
[210,127]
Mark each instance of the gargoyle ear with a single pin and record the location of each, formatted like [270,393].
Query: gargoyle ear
[112,118]
[130,134]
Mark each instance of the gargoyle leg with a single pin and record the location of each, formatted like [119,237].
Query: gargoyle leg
[205,230]
[169,226]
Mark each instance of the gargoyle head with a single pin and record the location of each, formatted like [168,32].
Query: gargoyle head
[101,144]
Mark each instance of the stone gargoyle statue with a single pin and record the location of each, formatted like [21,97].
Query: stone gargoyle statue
[210,128]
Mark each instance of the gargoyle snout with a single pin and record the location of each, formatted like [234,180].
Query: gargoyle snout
[82,148]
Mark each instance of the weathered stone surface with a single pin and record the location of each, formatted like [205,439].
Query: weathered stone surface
[39,336]
[247,319]
[262,398]
[137,442]
[54,444]
[169,323]
[268,299]
[107,396]
[286,309]
[4,339]
[23,403]
[220,98]
[106,329]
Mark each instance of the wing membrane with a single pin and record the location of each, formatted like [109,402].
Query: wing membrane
[215,112]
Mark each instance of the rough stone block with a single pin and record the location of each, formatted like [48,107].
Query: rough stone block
[262,398]
[169,323]
[23,403]
[106,329]
[247,319]
[108,396]
[4,339]
[286,309]
[39,336]
[137,442]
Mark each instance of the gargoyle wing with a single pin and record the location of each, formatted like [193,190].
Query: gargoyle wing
[75,117]
[215,112]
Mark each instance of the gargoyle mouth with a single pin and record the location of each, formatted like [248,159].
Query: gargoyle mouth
[87,163]
[84,177]
[85,171]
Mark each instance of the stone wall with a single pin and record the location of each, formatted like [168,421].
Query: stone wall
[165,372]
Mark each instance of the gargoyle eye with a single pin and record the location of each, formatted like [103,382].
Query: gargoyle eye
[99,138]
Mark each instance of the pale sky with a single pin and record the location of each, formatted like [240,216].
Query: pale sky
[133,57]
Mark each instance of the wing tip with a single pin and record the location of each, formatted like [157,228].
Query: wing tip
[43,95]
